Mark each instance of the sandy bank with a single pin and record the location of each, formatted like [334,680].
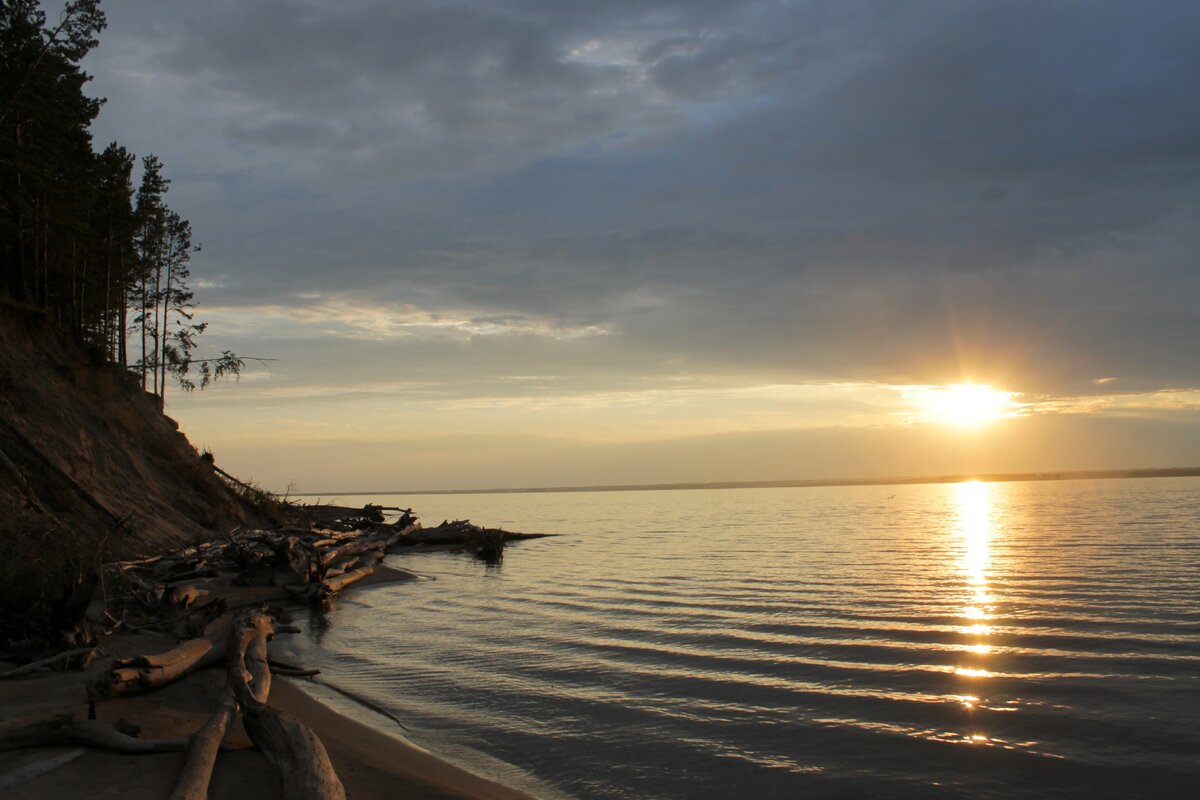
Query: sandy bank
[371,763]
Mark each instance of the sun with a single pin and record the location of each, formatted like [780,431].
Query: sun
[967,405]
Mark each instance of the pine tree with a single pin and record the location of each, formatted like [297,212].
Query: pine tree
[46,158]
[113,234]
[149,251]
[178,328]
[72,242]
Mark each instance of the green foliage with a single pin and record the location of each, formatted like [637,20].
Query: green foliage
[207,369]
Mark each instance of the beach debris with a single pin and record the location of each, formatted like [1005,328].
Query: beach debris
[210,598]
[306,773]
[139,674]
[119,736]
[77,658]
[108,736]
[202,749]
[186,593]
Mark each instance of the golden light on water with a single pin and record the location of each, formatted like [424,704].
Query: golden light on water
[971,672]
[974,528]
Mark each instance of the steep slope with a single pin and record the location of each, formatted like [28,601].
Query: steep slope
[85,453]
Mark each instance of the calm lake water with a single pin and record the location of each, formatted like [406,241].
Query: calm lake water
[968,640]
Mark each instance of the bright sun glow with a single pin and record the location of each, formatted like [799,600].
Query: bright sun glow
[966,404]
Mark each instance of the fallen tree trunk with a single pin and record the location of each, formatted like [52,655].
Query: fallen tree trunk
[106,736]
[305,770]
[139,674]
[50,663]
[111,736]
[41,733]
[202,751]
[247,667]
[335,585]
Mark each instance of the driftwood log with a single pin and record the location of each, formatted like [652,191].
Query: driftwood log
[305,770]
[115,737]
[247,656]
[142,673]
[304,767]
[202,751]
[163,593]
[79,656]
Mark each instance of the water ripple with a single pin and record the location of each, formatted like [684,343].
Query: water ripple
[980,640]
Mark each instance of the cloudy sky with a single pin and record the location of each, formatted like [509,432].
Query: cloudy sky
[544,242]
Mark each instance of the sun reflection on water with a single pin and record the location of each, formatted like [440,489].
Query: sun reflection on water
[974,530]
[975,527]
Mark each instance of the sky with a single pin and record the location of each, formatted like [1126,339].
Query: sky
[544,242]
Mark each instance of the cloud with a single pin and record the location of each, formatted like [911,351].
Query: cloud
[315,316]
[847,192]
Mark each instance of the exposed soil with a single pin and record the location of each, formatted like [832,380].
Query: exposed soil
[90,470]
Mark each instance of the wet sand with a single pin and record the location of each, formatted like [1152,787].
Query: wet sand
[371,763]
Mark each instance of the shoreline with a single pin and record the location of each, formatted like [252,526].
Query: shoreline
[372,763]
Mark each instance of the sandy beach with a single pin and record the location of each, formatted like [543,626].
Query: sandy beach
[370,762]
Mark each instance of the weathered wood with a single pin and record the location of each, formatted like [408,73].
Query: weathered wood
[304,767]
[209,571]
[59,659]
[186,652]
[143,673]
[249,658]
[111,736]
[305,770]
[352,549]
[248,675]
[513,536]
[202,751]
[328,559]
[106,736]
[331,586]
[40,733]
[183,596]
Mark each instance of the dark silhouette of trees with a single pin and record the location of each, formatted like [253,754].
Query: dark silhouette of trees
[114,230]
[73,239]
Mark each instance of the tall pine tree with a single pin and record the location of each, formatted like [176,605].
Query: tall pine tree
[72,242]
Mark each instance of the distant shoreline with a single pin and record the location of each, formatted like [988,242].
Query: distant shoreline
[999,477]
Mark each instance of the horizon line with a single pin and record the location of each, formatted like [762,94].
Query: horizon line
[994,477]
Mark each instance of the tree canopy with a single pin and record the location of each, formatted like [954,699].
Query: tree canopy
[75,240]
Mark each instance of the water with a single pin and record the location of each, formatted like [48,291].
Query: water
[970,640]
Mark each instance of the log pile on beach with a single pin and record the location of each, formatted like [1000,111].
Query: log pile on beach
[221,602]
